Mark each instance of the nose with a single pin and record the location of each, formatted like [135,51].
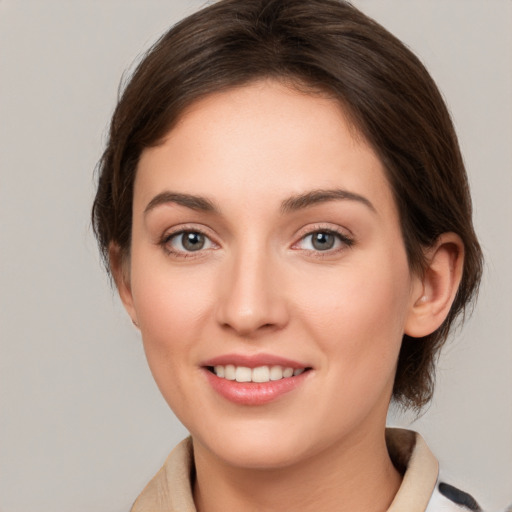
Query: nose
[252,299]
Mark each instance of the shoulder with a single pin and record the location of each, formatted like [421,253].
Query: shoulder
[170,489]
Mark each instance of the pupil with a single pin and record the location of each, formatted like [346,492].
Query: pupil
[193,241]
[323,241]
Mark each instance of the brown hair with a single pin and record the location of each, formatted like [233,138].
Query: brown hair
[320,45]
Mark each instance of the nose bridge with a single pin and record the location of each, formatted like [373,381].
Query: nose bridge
[251,298]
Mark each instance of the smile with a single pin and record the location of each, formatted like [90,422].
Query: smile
[260,374]
[255,379]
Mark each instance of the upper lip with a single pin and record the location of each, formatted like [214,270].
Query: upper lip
[253,361]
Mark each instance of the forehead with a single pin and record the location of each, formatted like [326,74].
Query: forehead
[264,139]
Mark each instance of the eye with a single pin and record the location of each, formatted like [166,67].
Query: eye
[323,240]
[188,241]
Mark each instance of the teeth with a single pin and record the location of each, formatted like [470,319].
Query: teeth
[261,374]
[229,372]
[276,373]
[287,372]
[243,374]
[258,374]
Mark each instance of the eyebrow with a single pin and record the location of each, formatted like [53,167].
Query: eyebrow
[188,200]
[294,203]
[313,197]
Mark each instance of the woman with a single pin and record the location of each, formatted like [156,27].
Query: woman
[284,209]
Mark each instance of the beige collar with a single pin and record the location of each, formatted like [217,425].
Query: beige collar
[170,489]
[412,456]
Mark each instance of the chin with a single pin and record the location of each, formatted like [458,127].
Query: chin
[255,448]
[265,456]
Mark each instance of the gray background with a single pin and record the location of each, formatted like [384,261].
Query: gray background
[82,425]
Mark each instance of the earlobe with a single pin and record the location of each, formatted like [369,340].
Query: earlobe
[121,274]
[438,286]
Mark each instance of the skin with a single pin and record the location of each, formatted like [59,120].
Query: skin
[259,285]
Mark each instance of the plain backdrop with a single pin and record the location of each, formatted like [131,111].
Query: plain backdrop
[82,425]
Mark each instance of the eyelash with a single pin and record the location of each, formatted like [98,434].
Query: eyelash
[167,238]
[346,242]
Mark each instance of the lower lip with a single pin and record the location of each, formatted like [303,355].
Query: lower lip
[254,393]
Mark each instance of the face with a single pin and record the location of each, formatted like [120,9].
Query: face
[268,276]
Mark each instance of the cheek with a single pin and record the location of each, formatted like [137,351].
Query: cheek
[358,314]
[171,311]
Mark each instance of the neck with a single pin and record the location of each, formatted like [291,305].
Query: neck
[357,475]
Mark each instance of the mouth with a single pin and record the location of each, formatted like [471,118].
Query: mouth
[255,379]
[259,374]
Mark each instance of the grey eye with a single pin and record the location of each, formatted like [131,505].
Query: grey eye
[192,241]
[189,241]
[323,241]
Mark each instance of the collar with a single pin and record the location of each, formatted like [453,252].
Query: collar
[171,488]
[411,455]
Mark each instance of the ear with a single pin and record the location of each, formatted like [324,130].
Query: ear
[436,290]
[120,267]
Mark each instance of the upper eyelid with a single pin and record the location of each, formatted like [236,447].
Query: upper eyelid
[343,238]
[327,227]
[184,228]
[173,234]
